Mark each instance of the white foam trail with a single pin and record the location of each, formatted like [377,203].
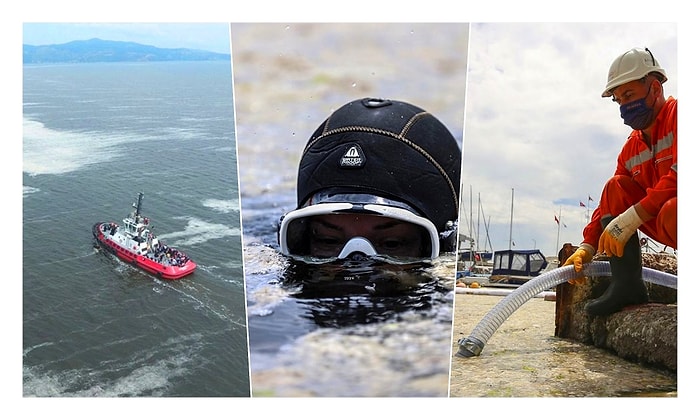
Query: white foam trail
[49,151]
[144,377]
[198,231]
[222,206]
[27,190]
[36,346]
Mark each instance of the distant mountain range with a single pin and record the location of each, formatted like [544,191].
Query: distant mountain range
[97,50]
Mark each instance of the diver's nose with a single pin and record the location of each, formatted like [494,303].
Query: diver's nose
[356,248]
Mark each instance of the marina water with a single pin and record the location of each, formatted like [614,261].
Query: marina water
[95,135]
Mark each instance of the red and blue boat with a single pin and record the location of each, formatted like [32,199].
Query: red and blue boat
[135,243]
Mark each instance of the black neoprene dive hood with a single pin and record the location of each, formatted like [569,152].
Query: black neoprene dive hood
[387,148]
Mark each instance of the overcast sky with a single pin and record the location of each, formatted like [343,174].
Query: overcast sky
[537,127]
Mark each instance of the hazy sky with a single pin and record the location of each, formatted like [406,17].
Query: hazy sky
[202,36]
[536,122]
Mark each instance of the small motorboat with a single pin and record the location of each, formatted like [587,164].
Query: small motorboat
[135,243]
[518,266]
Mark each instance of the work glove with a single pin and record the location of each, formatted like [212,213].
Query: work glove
[616,234]
[583,255]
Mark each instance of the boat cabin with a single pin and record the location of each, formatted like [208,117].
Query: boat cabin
[517,266]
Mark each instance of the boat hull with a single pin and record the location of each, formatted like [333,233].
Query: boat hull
[164,271]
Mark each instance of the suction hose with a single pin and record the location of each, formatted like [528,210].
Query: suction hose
[474,344]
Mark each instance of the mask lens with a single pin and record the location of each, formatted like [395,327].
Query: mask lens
[335,231]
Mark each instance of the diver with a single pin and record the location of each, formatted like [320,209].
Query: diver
[378,179]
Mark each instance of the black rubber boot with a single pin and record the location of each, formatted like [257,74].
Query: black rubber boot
[627,286]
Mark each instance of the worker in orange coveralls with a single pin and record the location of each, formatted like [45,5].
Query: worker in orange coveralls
[642,194]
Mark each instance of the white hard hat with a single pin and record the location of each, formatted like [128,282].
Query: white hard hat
[632,65]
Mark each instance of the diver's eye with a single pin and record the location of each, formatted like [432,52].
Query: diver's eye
[325,245]
[399,247]
[327,241]
[392,244]
[326,237]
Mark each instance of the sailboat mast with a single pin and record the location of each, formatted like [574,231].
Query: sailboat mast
[478,225]
[471,212]
[558,230]
[510,238]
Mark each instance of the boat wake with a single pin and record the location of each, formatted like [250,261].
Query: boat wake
[223,313]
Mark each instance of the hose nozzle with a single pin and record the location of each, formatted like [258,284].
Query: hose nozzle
[469,347]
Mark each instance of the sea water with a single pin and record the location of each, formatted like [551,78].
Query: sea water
[94,136]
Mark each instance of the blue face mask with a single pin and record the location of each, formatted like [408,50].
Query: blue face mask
[637,114]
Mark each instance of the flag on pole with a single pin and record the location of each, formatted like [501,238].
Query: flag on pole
[589,198]
[580,203]
[555,219]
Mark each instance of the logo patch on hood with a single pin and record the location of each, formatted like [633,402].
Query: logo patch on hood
[353,157]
